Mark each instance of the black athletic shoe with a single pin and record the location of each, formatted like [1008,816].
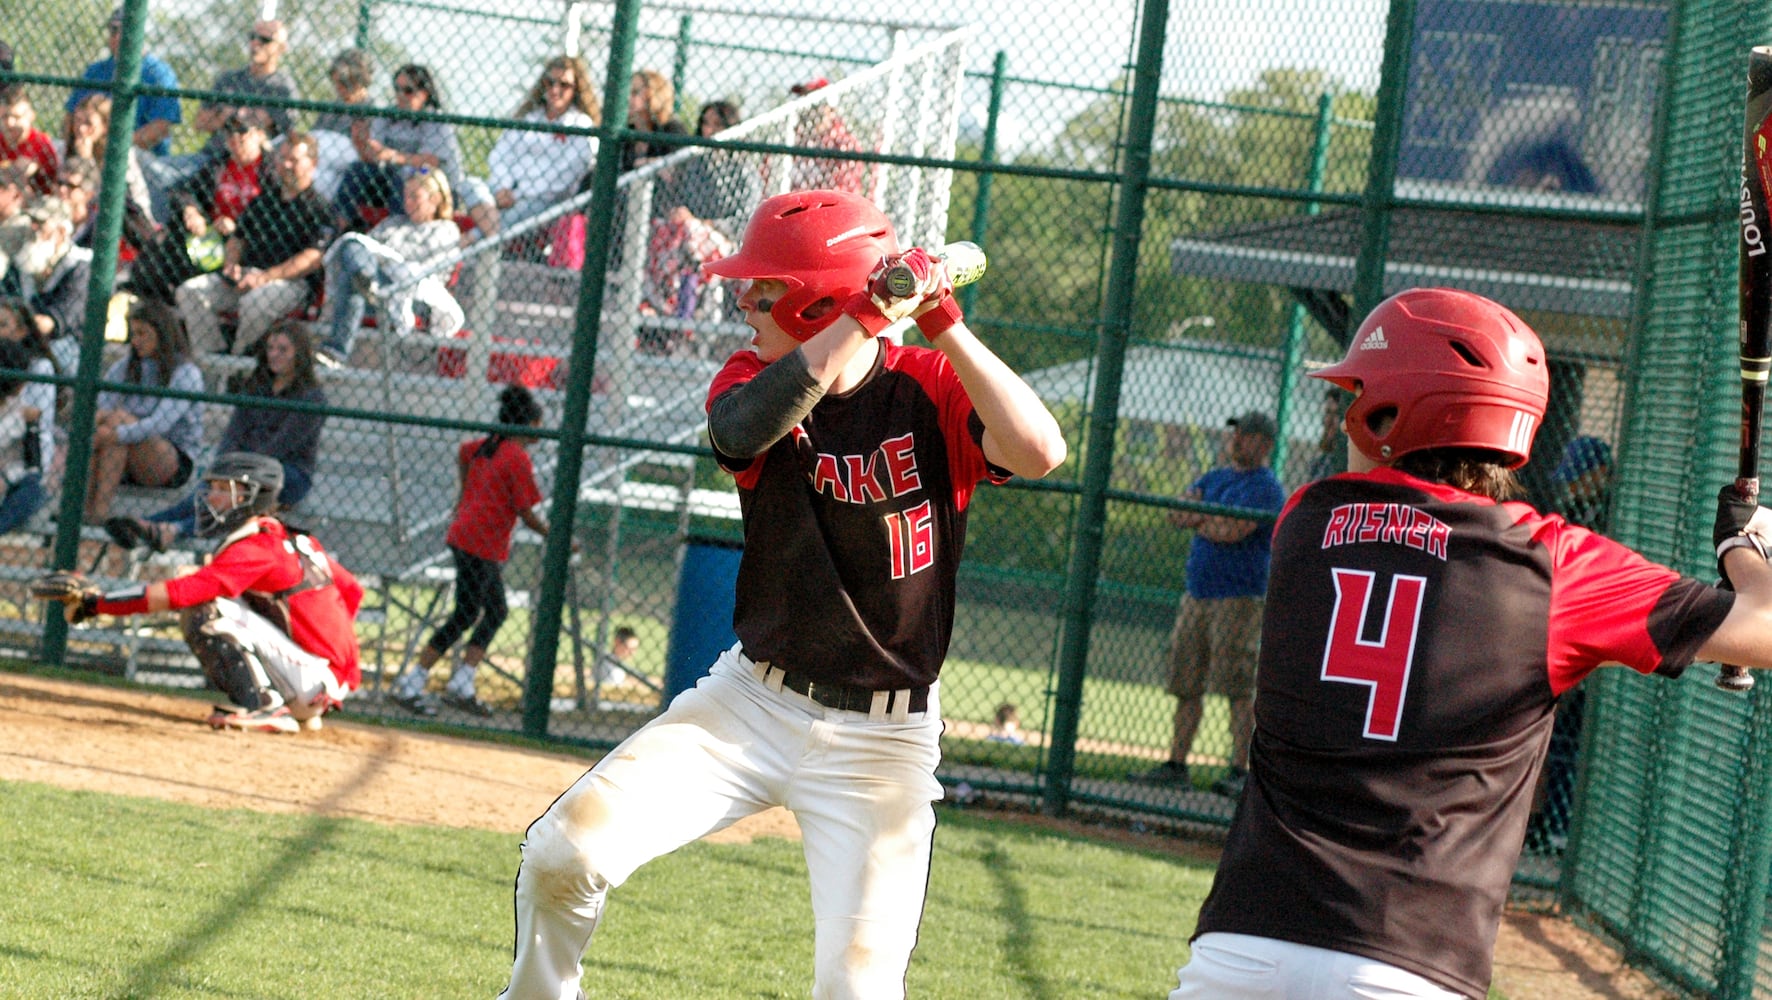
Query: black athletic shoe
[467,703]
[1169,774]
[417,704]
[123,531]
[1231,785]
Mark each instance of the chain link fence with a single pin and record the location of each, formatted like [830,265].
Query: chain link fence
[1185,211]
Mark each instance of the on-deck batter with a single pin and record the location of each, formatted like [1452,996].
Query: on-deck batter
[1419,635]
[855,461]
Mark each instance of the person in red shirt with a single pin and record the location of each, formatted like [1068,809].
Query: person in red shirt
[270,617]
[498,489]
[21,140]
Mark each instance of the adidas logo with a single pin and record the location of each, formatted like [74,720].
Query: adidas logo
[1375,341]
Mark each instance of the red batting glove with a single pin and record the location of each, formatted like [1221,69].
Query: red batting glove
[897,288]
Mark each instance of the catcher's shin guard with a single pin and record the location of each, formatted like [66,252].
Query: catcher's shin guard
[229,666]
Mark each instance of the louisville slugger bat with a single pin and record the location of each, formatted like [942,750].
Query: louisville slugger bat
[1755,296]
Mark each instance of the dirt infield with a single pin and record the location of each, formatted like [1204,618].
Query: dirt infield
[128,742]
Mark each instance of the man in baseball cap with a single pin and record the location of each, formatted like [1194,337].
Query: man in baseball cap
[1218,625]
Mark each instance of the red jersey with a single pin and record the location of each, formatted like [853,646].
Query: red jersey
[287,577]
[854,524]
[235,187]
[37,148]
[1404,706]
[494,490]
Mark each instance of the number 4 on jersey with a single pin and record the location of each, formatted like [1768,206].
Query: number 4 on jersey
[1382,666]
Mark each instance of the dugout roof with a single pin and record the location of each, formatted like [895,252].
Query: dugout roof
[1530,264]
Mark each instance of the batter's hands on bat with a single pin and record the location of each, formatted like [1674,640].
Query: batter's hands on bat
[1739,522]
[77,595]
[901,286]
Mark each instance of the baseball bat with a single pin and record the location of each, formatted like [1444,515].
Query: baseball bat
[1755,301]
[965,262]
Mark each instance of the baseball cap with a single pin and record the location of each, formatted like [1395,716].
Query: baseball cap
[1255,422]
[1581,456]
[802,89]
[116,16]
[48,208]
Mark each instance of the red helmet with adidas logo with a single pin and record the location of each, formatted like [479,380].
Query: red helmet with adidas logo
[1456,369]
[822,244]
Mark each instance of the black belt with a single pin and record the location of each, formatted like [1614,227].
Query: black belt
[844,697]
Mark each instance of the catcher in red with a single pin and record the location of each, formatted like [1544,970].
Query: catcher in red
[269,617]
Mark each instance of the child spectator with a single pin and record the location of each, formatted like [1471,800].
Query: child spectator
[205,209]
[1006,725]
[498,489]
[617,665]
[363,267]
[20,140]
[140,439]
[699,210]
[820,126]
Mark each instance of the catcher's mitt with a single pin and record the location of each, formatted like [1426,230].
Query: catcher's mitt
[78,595]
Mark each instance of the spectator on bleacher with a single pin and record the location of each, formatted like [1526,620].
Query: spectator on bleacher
[652,107]
[85,133]
[154,115]
[361,268]
[20,140]
[699,210]
[205,208]
[261,77]
[140,439]
[533,170]
[395,149]
[28,457]
[350,73]
[15,225]
[284,370]
[271,265]
[53,277]
[821,126]
[498,489]
[78,186]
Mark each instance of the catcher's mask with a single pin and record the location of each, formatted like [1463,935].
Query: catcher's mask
[253,482]
[1455,369]
[821,244]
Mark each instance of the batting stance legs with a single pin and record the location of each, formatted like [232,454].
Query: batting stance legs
[861,787]
[254,662]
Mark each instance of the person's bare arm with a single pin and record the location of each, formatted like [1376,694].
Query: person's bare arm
[1020,434]
[151,134]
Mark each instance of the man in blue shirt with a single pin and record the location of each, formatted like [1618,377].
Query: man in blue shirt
[154,116]
[1217,633]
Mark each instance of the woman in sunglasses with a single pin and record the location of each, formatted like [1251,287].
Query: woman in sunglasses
[532,170]
[397,148]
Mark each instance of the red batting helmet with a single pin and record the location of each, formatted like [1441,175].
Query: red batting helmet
[1458,370]
[823,244]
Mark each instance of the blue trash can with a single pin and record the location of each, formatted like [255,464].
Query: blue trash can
[701,629]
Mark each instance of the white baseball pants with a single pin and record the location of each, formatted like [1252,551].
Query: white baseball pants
[1246,967]
[861,788]
[296,674]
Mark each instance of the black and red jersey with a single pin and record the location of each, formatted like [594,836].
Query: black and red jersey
[1415,643]
[854,523]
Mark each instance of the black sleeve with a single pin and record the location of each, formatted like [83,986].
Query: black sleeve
[744,421]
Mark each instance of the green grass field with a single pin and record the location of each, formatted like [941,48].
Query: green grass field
[125,897]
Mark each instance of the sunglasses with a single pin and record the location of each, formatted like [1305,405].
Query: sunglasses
[260,39]
[555,83]
[407,89]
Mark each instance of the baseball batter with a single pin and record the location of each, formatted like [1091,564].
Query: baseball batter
[269,617]
[1404,698]
[855,461]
